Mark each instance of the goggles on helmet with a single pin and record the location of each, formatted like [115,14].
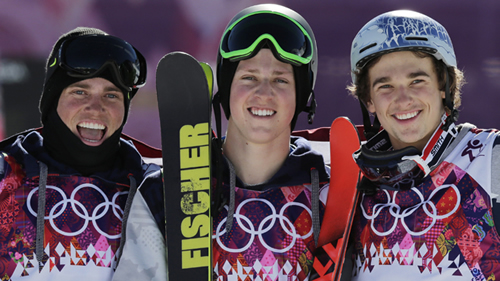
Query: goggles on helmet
[290,39]
[88,55]
[398,168]
[387,167]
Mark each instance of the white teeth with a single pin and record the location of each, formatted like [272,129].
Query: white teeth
[406,115]
[90,125]
[262,112]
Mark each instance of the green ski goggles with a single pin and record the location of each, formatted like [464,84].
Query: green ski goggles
[291,41]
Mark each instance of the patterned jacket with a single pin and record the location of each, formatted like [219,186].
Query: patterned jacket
[442,228]
[80,231]
[271,236]
[289,190]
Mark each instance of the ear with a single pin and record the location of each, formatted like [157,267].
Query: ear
[443,95]
[370,107]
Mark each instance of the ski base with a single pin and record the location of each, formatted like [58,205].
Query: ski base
[341,202]
[184,97]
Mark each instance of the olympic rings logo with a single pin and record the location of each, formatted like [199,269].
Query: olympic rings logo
[80,210]
[246,225]
[396,211]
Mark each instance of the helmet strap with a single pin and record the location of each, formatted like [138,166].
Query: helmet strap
[448,102]
[369,129]
[217,200]
[311,108]
[216,106]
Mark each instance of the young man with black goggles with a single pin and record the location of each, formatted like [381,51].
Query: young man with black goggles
[69,185]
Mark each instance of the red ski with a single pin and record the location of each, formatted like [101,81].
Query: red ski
[341,203]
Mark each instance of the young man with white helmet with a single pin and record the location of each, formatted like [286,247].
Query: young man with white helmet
[429,186]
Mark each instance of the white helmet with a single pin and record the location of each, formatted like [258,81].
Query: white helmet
[400,30]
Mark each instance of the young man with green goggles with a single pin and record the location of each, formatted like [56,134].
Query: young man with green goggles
[267,185]
[65,189]
[270,187]
[429,206]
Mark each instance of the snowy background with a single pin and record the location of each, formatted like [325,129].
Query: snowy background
[29,28]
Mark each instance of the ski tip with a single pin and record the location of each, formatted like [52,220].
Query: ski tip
[178,53]
[344,122]
[342,119]
[210,76]
[173,55]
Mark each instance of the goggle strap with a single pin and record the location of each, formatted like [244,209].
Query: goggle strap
[419,161]
[436,146]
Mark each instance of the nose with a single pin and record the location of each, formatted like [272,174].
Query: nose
[265,89]
[95,103]
[403,96]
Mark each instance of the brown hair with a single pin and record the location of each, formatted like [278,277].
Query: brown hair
[361,89]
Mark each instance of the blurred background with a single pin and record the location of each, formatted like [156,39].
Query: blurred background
[29,28]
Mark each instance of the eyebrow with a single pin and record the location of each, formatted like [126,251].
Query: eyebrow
[275,72]
[87,86]
[418,73]
[279,72]
[113,88]
[411,75]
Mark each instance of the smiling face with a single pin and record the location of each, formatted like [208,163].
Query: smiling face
[405,96]
[93,109]
[262,100]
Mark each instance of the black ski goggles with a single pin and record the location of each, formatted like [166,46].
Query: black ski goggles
[88,55]
[291,41]
[387,167]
